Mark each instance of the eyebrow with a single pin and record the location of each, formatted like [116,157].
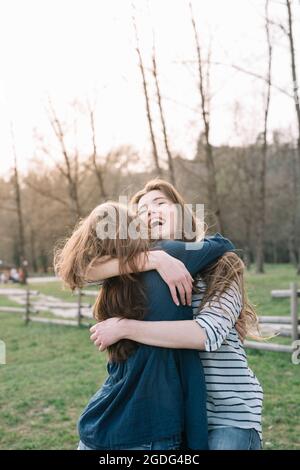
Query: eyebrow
[155,199]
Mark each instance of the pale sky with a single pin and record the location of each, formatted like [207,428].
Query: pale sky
[74,49]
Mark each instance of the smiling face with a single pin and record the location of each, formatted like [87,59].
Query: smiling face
[159,213]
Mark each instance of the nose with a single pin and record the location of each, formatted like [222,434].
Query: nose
[152,212]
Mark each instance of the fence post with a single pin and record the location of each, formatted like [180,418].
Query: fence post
[79,307]
[294,310]
[27,307]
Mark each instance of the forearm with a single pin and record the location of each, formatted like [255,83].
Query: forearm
[108,267]
[197,255]
[181,334]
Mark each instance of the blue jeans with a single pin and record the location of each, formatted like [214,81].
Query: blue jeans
[231,438]
[168,443]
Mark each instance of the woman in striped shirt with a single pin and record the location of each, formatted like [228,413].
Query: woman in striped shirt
[234,395]
[222,318]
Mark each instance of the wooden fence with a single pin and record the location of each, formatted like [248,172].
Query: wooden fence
[79,321]
[33,310]
[288,326]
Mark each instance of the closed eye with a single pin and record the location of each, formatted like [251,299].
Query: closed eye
[142,211]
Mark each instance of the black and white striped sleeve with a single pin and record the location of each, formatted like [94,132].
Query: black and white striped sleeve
[218,316]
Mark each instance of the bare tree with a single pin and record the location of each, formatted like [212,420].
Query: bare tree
[147,101]
[294,69]
[96,167]
[32,244]
[212,188]
[44,189]
[245,178]
[261,177]
[288,30]
[293,191]
[18,202]
[70,167]
[294,75]
[162,117]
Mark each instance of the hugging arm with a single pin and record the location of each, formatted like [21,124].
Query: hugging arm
[206,332]
[182,334]
[197,255]
[176,262]
[172,271]
[106,267]
[216,318]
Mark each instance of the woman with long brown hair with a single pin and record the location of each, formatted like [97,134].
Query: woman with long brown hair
[223,317]
[153,397]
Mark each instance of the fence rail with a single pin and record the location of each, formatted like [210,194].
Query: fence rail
[31,309]
[287,326]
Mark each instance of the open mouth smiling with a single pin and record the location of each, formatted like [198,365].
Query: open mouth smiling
[156,223]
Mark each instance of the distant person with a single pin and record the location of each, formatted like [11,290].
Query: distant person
[14,275]
[6,276]
[22,276]
[23,272]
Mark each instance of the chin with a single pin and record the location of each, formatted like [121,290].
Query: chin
[161,233]
[166,234]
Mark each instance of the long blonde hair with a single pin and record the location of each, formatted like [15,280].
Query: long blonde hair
[121,296]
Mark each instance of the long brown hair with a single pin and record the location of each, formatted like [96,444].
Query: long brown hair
[226,272]
[221,274]
[121,296]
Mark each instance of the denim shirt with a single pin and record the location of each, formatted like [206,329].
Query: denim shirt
[157,392]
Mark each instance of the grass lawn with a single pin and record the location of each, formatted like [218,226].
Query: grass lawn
[260,286]
[6,302]
[52,371]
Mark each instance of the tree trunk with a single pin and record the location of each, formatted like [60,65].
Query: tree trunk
[147,102]
[275,252]
[293,214]
[296,98]
[33,251]
[212,187]
[163,120]
[97,170]
[260,223]
[18,200]
[70,169]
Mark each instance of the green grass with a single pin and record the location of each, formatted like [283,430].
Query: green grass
[280,380]
[279,377]
[260,286]
[6,302]
[52,371]
[57,290]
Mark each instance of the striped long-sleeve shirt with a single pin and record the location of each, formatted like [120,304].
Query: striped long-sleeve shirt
[234,395]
